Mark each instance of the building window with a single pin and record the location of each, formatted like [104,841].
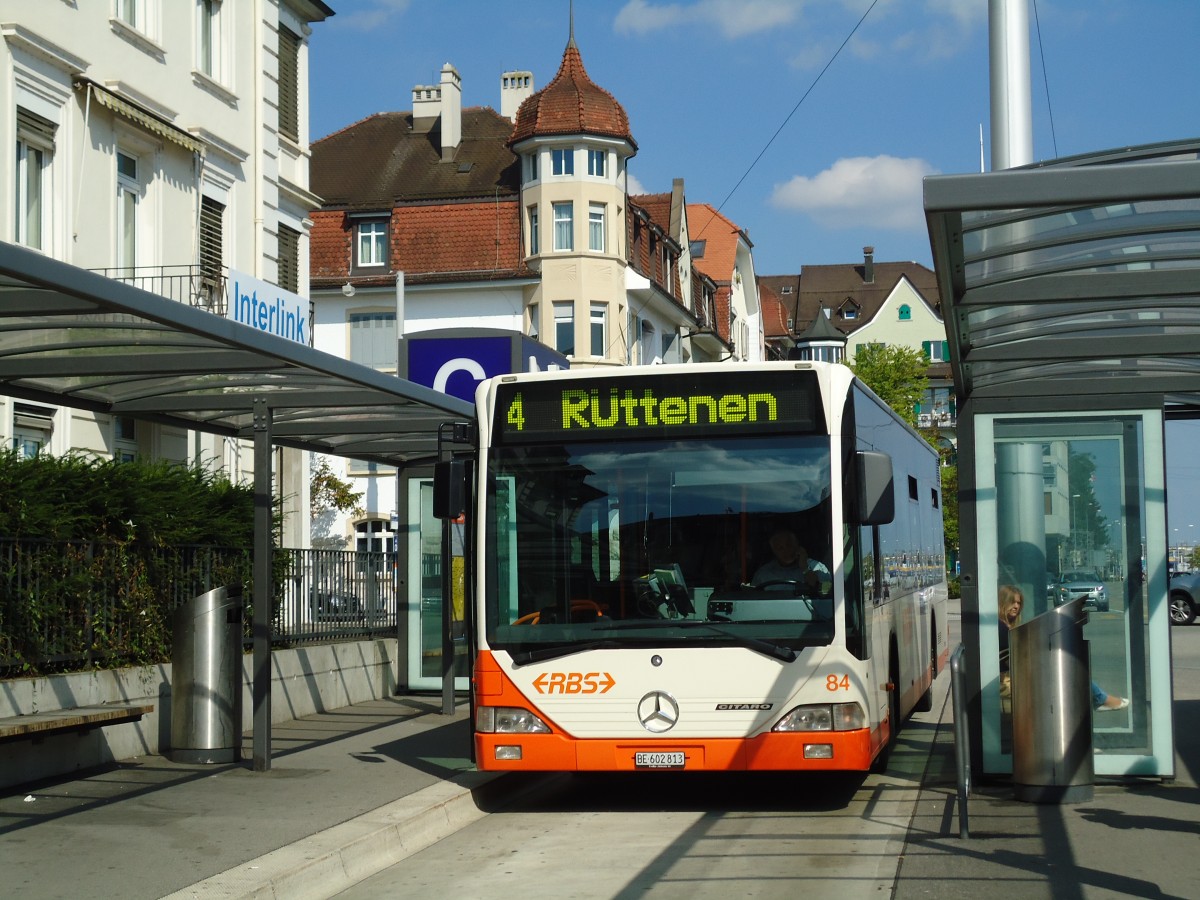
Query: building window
[787,288]
[373,340]
[596,162]
[564,327]
[596,227]
[670,347]
[936,351]
[374,536]
[138,15]
[535,243]
[599,328]
[649,343]
[210,47]
[289,259]
[32,428]
[849,313]
[289,84]
[371,243]
[531,166]
[124,438]
[129,194]
[35,147]
[212,250]
[127,12]
[905,313]
[564,226]
[534,329]
[563,161]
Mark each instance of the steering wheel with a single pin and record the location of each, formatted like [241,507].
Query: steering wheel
[576,606]
[799,586]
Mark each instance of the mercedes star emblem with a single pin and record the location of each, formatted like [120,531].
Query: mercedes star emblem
[658,712]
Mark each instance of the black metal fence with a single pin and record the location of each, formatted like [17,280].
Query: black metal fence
[69,605]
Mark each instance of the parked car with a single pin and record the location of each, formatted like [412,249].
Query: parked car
[1184,590]
[1086,584]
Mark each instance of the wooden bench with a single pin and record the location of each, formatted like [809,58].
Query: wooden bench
[78,718]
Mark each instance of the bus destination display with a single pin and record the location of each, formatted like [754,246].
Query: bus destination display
[657,406]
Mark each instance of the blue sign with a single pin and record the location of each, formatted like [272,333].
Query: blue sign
[455,361]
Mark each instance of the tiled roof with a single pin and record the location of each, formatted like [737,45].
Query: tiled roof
[774,313]
[832,286]
[571,104]
[658,206]
[380,161]
[720,238]
[428,242]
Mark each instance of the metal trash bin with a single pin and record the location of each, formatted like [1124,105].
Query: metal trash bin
[206,678]
[1052,707]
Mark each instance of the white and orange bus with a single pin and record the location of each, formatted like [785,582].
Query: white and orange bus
[621,518]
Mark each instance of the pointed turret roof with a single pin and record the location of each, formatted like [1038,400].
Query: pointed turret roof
[571,104]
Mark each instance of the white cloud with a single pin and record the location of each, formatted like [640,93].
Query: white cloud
[876,191]
[375,14]
[734,18]
[633,186]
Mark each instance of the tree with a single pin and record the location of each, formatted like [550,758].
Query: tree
[896,374]
[329,495]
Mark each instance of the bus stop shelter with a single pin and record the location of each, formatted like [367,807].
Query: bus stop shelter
[74,338]
[1071,296]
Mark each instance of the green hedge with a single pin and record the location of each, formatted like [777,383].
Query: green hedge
[95,555]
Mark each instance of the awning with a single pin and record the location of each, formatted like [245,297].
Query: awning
[75,338]
[1074,283]
[141,117]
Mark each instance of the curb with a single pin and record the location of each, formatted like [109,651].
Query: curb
[333,860]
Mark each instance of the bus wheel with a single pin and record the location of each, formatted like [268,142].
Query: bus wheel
[925,704]
[879,766]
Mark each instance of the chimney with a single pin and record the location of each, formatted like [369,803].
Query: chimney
[451,111]
[868,265]
[427,106]
[515,89]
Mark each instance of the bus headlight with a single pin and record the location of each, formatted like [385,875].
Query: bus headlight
[824,717]
[508,720]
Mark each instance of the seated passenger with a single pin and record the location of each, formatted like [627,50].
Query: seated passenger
[791,563]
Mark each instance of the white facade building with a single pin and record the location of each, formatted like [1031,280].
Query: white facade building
[164,143]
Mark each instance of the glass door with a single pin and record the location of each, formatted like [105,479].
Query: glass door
[1071,506]
[425,602]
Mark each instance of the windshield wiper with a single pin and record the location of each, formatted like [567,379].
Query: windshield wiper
[543,654]
[758,645]
[776,651]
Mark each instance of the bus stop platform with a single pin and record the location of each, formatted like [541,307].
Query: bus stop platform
[354,790]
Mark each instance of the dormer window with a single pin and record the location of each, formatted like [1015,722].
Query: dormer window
[563,161]
[370,243]
[849,313]
[596,162]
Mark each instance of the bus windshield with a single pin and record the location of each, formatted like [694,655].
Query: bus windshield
[658,542]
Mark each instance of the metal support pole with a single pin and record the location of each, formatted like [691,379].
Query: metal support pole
[263,589]
[962,750]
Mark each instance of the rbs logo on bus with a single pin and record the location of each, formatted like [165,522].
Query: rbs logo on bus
[574,683]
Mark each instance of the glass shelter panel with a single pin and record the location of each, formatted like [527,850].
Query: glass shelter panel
[1070,506]
[425,594]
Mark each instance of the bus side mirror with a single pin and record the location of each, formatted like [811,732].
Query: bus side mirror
[450,481]
[876,491]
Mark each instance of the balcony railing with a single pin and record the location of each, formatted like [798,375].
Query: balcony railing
[929,420]
[190,285]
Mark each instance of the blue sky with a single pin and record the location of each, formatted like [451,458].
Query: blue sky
[816,152]
[708,83]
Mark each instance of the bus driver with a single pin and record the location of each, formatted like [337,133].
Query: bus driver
[791,563]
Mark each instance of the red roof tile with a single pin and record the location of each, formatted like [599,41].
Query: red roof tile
[571,104]
[720,238]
